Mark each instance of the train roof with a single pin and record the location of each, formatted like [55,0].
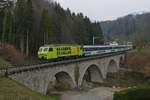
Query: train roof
[60,45]
[103,46]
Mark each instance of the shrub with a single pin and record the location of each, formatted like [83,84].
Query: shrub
[4,64]
[10,53]
[138,61]
[147,70]
[140,93]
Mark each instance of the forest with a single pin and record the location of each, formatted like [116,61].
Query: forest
[133,27]
[29,24]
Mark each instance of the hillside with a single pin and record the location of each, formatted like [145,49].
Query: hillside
[133,27]
[10,90]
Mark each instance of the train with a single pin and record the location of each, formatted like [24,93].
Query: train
[56,51]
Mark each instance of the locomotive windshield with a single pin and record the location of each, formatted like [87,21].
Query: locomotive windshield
[45,49]
[40,50]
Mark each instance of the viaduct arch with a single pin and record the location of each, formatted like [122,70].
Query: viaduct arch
[91,73]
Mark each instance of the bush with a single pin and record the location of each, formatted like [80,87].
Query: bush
[4,64]
[139,62]
[141,93]
[10,53]
[147,70]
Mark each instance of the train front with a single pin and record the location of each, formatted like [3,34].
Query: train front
[42,52]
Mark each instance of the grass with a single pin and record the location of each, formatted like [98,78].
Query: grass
[4,64]
[138,93]
[142,50]
[10,90]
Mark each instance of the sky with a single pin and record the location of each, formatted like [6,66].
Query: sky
[101,10]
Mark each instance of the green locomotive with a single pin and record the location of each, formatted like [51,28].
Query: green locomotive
[59,51]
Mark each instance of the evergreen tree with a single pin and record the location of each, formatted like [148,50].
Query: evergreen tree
[6,22]
[19,24]
[45,26]
[97,32]
[29,22]
[1,23]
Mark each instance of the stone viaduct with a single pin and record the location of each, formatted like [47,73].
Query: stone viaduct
[43,79]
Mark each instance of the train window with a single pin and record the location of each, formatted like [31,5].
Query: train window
[45,49]
[40,50]
[50,49]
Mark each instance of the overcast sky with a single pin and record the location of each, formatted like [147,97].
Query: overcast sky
[101,10]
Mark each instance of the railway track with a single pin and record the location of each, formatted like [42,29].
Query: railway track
[45,64]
